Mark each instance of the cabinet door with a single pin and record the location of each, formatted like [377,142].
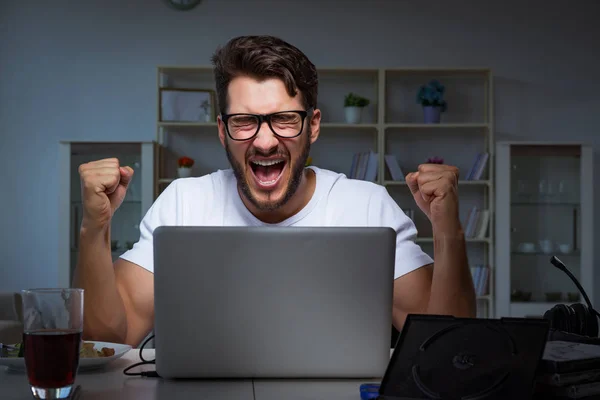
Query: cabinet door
[539,216]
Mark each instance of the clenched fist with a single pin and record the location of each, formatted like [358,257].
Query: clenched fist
[435,190]
[103,187]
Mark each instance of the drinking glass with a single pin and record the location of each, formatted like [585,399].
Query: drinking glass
[53,325]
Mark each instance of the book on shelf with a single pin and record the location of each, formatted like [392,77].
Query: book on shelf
[476,171]
[481,276]
[393,167]
[476,224]
[364,166]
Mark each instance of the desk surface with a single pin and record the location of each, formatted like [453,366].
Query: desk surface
[110,383]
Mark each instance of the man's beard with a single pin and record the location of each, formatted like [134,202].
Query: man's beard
[297,167]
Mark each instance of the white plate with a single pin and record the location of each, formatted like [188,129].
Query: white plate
[18,364]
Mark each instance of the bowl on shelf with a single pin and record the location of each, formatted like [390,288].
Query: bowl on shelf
[565,248]
[546,246]
[519,295]
[526,247]
[553,296]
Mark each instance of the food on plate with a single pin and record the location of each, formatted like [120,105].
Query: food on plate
[87,351]
[13,352]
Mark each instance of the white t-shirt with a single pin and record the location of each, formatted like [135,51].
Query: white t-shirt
[214,200]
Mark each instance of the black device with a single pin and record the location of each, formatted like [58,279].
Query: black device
[444,357]
[572,354]
[573,322]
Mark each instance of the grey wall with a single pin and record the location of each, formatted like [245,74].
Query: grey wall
[86,70]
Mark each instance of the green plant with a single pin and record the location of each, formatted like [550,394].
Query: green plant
[353,100]
[432,94]
[205,106]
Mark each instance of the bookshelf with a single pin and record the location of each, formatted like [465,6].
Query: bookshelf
[392,124]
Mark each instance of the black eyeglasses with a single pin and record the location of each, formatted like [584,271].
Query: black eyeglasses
[285,124]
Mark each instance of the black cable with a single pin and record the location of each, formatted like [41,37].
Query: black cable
[560,265]
[150,374]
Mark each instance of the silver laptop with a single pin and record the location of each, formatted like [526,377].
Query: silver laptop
[276,302]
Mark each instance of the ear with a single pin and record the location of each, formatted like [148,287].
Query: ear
[221,128]
[315,125]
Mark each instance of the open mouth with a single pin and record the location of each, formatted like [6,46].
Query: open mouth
[267,172]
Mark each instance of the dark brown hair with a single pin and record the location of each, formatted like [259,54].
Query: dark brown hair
[263,57]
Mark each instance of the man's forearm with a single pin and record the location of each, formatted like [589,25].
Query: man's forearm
[452,289]
[104,312]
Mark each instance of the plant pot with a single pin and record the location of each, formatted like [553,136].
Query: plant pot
[184,172]
[432,114]
[353,115]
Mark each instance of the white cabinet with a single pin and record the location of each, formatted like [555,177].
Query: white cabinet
[125,222]
[544,205]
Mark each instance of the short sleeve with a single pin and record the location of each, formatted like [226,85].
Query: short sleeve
[384,211]
[166,210]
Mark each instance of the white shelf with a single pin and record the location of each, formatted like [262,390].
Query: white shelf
[337,125]
[172,124]
[392,119]
[342,125]
[439,126]
[460,183]
[471,240]
[439,71]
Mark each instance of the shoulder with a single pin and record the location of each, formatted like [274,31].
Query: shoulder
[205,185]
[214,179]
[339,184]
[190,199]
[359,201]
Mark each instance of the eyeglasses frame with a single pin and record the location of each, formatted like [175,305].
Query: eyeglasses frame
[266,118]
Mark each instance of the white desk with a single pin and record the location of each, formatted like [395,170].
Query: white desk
[111,384]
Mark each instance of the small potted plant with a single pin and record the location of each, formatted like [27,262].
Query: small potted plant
[435,160]
[184,169]
[431,97]
[205,106]
[353,106]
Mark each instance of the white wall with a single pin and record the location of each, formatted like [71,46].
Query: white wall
[86,70]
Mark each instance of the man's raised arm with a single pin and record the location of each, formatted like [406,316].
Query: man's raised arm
[118,299]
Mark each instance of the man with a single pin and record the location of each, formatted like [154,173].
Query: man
[267,97]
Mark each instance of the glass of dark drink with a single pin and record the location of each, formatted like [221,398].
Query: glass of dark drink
[53,325]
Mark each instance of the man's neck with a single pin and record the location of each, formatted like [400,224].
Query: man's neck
[303,194]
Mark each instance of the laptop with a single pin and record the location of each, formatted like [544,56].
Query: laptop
[443,357]
[273,302]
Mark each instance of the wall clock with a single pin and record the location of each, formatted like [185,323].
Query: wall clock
[182,5]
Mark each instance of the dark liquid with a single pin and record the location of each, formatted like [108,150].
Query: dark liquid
[52,357]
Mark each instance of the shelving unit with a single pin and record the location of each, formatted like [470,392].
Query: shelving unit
[544,208]
[391,124]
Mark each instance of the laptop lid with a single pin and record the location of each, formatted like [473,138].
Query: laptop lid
[276,302]
[442,357]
